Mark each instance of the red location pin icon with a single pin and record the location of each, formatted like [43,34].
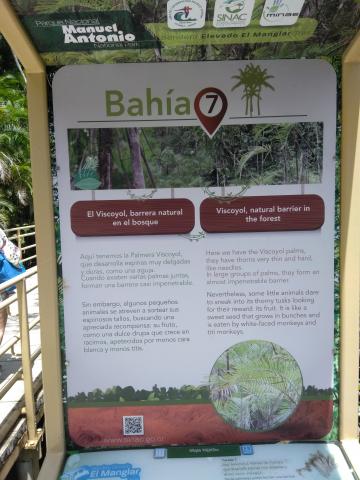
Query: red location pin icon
[210,106]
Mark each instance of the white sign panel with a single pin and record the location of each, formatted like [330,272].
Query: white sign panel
[197,224]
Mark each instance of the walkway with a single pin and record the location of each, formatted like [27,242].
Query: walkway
[9,363]
[13,424]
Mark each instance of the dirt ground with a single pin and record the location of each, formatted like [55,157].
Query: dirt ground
[189,424]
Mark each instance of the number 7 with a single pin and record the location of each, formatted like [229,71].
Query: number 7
[214,97]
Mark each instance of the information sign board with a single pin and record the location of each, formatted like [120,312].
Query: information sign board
[197,224]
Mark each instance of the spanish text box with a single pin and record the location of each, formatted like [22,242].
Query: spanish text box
[132,217]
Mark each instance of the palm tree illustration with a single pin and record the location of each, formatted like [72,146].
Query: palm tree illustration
[253,79]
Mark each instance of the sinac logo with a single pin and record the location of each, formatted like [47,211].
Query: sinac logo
[234,6]
[233,13]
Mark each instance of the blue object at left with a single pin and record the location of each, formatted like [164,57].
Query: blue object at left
[124,471]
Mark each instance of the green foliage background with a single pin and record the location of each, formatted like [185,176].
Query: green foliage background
[15,169]
[263,154]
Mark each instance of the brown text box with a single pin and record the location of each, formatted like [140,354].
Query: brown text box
[132,217]
[262,214]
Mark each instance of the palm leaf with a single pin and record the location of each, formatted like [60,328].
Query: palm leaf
[250,154]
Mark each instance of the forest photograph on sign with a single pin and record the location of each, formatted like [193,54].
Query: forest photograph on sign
[169,157]
[197,234]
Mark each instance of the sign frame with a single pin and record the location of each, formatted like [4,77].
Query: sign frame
[14,33]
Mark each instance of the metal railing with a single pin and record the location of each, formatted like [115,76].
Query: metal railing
[22,426]
[16,236]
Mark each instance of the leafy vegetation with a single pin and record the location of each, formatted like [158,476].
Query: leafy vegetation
[255,385]
[157,395]
[118,395]
[265,154]
[313,393]
[15,171]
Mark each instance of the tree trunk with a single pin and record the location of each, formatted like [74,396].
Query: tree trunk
[318,152]
[148,169]
[135,150]
[94,141]
[105,160]
[301,168]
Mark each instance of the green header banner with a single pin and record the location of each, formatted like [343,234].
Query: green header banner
[144,31]
[87,31]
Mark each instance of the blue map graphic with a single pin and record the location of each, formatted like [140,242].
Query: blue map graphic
[114,471]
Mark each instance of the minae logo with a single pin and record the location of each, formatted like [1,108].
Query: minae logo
[95,34]
[275,7]
[281,12]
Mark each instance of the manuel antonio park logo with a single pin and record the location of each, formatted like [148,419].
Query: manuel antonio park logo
[186,14]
